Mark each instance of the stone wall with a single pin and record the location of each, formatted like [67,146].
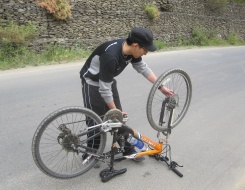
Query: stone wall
[94,21]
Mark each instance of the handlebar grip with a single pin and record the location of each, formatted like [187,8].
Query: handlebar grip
[177,172]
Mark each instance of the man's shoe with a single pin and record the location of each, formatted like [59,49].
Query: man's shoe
[133,151]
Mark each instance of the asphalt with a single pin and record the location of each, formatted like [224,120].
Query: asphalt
[209,142]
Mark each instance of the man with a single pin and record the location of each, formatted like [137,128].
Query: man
[108,61]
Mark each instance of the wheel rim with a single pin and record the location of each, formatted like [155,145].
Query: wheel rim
[55,155]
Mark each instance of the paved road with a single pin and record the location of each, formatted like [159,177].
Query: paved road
[209,142]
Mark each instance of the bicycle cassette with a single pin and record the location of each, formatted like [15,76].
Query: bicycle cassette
[114,115]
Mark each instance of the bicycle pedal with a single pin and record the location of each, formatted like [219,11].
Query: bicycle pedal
[86,160]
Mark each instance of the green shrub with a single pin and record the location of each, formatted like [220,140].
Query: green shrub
[12,33]
[180,40]
[233,39]
[211,37]
[21,56]
[199,37]
[205,37]
[59,53]
[16,57]
[152,11]
[14,51]
[239,1]
[160,44]
[14,40]
[217,41]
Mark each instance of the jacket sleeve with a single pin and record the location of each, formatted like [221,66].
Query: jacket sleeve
[142,68]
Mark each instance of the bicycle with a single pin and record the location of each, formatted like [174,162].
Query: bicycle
[60,141]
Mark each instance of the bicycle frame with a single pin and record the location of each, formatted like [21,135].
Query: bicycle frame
[156,148]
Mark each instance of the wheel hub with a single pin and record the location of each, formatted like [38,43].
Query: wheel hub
[68,141]
[173,101]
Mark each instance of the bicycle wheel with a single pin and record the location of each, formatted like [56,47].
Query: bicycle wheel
[53,141]
[177,80]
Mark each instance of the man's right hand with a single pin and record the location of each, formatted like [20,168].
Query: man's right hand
[125,117]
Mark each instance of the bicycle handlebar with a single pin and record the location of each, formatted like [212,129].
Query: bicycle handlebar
[177,172]
[173,166]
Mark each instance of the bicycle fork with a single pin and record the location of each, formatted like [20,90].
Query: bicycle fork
[166,156]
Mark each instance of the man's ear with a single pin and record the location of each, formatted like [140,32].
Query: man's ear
[135,45]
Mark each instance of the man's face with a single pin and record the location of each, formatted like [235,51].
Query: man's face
[138,51]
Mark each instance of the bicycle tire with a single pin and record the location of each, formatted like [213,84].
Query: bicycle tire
[60,161]
[177,80]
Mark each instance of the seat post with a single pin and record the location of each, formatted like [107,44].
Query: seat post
[110,172]
[113,148]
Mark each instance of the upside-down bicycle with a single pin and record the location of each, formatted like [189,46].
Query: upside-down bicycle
[61,139]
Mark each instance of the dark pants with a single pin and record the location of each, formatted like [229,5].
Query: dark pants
[93,100]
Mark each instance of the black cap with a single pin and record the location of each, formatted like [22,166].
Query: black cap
[143,37]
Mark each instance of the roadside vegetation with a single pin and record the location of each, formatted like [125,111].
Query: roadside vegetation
[152,11]
[238,1]
[16,44]
[201,37]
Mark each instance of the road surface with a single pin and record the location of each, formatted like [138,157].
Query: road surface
[209,141]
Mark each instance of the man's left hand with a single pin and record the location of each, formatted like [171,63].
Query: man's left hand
[166,91]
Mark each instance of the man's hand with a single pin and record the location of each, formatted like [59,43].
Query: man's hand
[166,91]
[125,117]
[124,113]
